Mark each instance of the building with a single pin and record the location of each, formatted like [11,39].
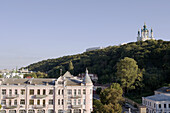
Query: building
[93,77]
[67,94]
[144,35]
[94,48]
[158,103]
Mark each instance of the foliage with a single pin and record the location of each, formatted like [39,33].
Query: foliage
[71,67]
[30,75]
[98,90]
[1,76]
[112,99]
[128,73]
[36,75]
[152,56]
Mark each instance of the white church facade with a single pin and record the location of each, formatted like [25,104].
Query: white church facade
[144,34]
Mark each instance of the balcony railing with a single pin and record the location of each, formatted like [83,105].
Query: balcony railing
[11,96]
[39,96]
[76,106]
[76,96]
[38,106]
[10,107]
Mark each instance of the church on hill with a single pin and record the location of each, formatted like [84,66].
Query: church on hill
[144,35]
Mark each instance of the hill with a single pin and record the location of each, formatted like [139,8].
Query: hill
[153,56]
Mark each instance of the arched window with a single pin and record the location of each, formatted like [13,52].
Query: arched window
[41,111]
[31,111]
[58,92]
[22,111]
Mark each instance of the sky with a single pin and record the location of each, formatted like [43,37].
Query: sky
[35,30]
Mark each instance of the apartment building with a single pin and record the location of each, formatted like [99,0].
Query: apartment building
[67,94]
[158,103]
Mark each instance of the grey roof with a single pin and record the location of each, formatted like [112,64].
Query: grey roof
[159,97]
[164,90]
[25,81]
[67,75]
[87,79]
[73,82]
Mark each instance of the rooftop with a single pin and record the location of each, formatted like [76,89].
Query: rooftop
[158,97]
[164,90]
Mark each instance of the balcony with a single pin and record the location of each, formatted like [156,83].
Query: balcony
[76,96]
[38,106]
[11,96]
[10,107]
[76,106]
[40,96]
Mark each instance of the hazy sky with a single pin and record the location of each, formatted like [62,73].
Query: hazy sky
[33,30]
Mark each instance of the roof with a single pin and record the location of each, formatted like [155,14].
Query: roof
[158,97]
[164,90]
[68,75]
[25,81]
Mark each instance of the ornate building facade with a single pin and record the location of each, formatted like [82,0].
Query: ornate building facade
[67,94]
[144,34]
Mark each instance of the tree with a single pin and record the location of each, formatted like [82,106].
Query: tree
[71,67]
[112,99]
[31,75]
[1,76]
[127,73]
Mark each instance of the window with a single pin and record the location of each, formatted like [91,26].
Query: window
[164,105]
[12,111]
[74,101]
[69,91]
[38,92]
[51,102]
[3,102]
[43,102]
[159,105]
[62,92]
[31,111]
[38,102]
[69,102]
[75,92]
[22,101]
[58,92]
[58,101]
[3,91]
[16,91]
[84,91]
[77,111]
[22,91]
[50,111]
[69,111]
[79,91]
[22,111]
[44,92]
[84,102]
[10,102]
[15,102]
[62,102]
[10,92]
[31,102]
[79,101]
[154,105]
[41,111]
[31,92]
[169,105]
[60,111]
[50,92]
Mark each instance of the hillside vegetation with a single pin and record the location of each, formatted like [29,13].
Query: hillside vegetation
[152,56]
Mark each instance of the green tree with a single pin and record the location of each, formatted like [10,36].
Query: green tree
[1,76]
[71,67]
[127,73]
[97,106]
[111,97]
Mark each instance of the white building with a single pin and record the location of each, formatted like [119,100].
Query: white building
[144,34]
[94,48]
[158,103]
[67,94]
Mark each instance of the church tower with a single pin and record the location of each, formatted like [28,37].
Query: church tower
[144,34]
